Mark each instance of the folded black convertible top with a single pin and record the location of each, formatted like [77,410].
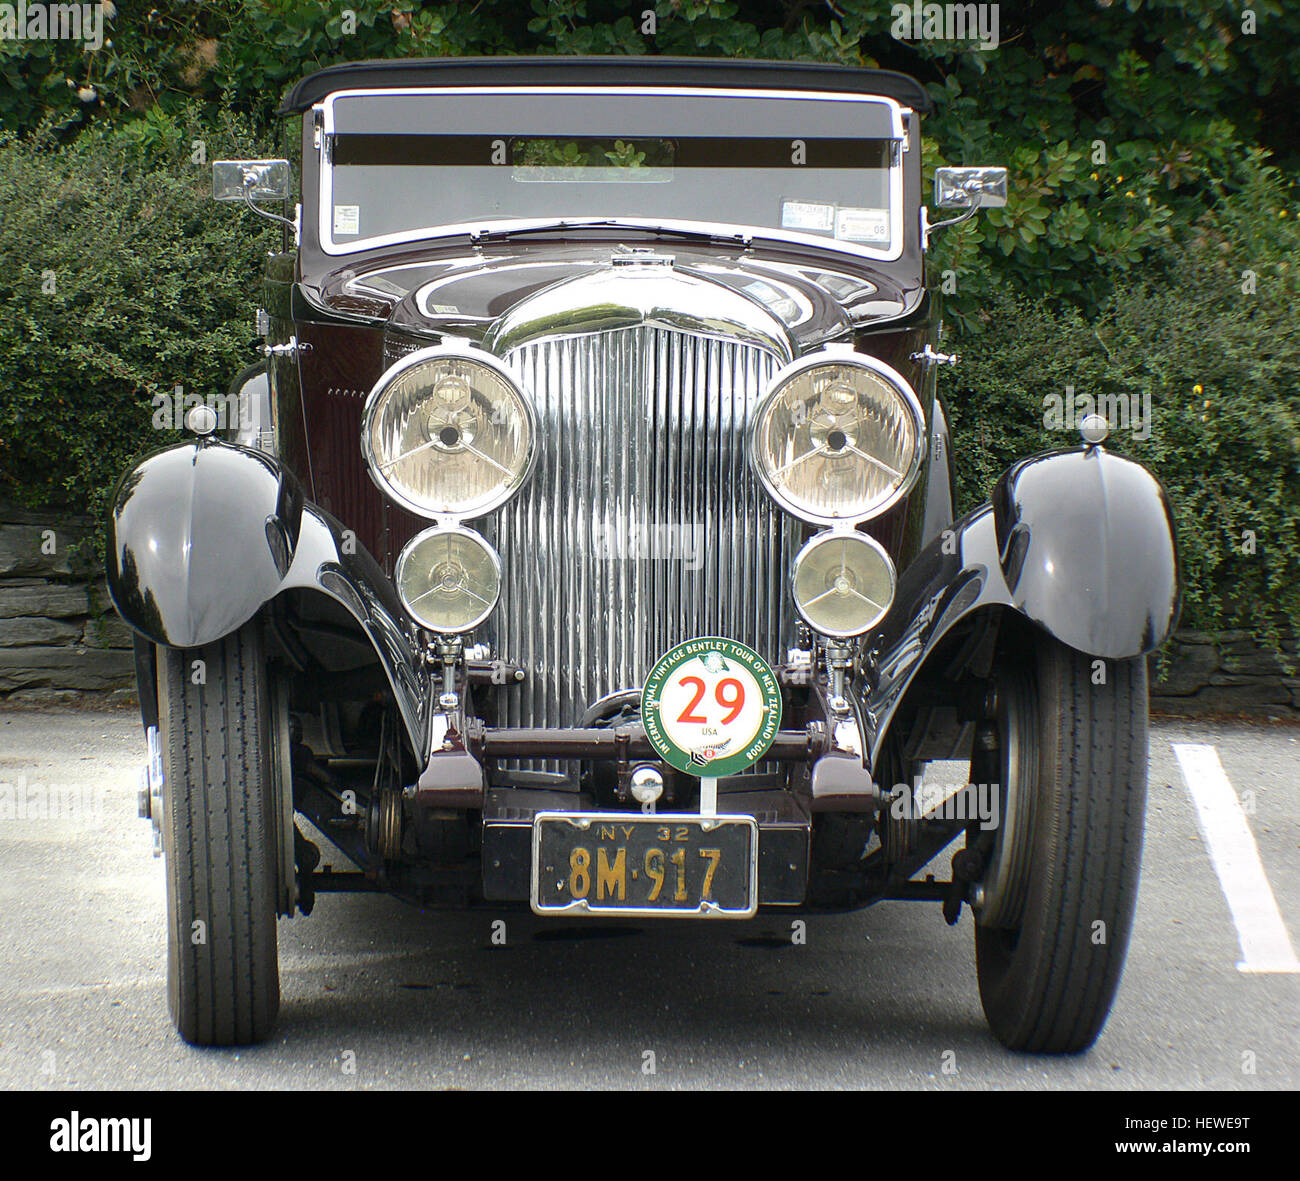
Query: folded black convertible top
[559,70]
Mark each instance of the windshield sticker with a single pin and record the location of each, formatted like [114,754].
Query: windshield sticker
[347,219]
[862,225]
[807,215]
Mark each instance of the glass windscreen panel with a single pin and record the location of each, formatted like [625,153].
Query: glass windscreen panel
[403,165]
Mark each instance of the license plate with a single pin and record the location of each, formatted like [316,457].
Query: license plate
[621,863]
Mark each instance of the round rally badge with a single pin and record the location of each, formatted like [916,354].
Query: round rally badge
[711,707]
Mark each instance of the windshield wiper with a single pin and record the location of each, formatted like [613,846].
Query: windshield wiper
[497,233]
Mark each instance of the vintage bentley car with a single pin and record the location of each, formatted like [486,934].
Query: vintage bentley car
[585,541]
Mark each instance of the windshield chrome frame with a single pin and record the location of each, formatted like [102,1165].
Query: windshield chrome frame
[743,234]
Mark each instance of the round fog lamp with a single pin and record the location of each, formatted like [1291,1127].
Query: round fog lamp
[448,579]
[843,583]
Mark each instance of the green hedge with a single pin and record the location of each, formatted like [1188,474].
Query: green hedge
[122,280]
[1207,340]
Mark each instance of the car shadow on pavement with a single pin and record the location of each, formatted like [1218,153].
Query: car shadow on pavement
[858,984]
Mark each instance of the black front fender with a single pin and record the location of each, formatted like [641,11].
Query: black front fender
[1079,542]
[201,536]
[1086,547]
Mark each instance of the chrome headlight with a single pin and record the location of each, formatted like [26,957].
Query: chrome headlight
[839,437]
[448,579]
[446,433]
[843,583]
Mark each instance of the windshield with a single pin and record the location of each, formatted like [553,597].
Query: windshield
[401,165]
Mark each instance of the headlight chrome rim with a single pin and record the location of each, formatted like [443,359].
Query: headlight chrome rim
[431,534]
[457,353]
[832,355]
[856,537]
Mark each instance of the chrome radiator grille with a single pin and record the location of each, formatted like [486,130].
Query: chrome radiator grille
[642,525]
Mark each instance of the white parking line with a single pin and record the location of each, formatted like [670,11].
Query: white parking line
[1265,945]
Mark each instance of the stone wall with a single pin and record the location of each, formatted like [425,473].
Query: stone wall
[59,637]
[1226,673]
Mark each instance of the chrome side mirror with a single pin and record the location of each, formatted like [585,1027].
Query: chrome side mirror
[970,188]
[251,181]
[967,189]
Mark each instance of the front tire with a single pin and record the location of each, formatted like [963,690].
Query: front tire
[1048,975]
[220,836]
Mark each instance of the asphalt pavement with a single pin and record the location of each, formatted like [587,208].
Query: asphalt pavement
[379,994]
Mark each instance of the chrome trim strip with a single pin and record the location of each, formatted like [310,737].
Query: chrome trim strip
[894,106]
